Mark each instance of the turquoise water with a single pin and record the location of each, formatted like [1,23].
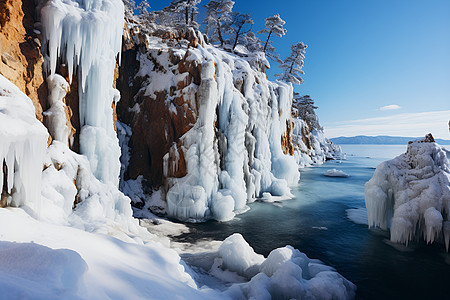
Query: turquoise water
[316,222]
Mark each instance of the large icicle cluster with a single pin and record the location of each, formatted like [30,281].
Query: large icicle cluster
[233,153]
[86,35]
[411,194]
[23,140]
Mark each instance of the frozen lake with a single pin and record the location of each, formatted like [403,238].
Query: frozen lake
[317,222]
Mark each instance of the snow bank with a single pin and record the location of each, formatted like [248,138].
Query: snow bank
[43,261]
[335,173]
[87,36]
[411,194]
[23,140]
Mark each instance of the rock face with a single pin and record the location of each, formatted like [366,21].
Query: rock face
[157,125]
[21,59]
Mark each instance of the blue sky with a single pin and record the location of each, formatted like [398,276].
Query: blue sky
[367,54]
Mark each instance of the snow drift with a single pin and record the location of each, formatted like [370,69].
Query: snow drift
[411,194]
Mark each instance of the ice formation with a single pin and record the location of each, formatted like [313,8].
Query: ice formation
[335,173]
[411,194]
[87,36]
[285,274]
[56,118]
[23,140]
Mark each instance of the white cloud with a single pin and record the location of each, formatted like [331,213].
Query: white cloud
[407,124]
[390,107]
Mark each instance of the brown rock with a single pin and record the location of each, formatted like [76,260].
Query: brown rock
[286,139]
[21,60]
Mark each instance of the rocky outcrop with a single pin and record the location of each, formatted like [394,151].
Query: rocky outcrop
[21,59]
[157,124]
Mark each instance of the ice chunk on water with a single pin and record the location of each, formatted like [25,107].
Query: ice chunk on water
[335,173]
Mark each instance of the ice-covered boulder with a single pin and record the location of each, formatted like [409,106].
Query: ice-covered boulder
[410,194]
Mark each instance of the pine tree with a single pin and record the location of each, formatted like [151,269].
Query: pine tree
[180,12]
[274,26]
[292,65]
[130,6]
[143,8]
[240,25]
[218,19]
[306,110]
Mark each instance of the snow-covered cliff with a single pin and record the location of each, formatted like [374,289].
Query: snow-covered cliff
[225,133]
[410,194]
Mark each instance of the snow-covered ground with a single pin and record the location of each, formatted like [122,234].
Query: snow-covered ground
[410,194]
[39,260]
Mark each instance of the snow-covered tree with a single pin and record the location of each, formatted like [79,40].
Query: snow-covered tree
[218,19]
[251,42]
[181,12]
[143,8]
[292,65]
[130,6]
[274,25]
[240,25]
[306,110]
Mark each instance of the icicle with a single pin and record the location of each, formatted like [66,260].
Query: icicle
[87,35]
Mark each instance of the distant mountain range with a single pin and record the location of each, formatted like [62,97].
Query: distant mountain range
[380,140]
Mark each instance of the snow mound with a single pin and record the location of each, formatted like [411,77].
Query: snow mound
[285,274]
[72,195]
[335,173]
[23,140]
[25,266]
[411,194]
